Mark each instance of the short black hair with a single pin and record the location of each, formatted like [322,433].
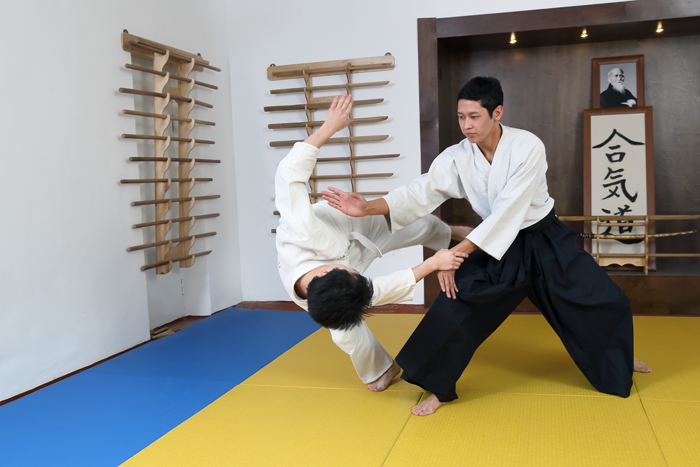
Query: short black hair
[484,90]
[339,299]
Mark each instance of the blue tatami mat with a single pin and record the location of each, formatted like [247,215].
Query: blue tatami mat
[105,415]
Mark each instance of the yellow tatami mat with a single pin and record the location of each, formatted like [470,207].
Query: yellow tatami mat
[486,429]
[522,402]
[273,426]
[670,345]
[677,428]
[316,361]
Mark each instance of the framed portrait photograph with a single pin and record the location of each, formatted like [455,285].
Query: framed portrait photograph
[618,169]
[618,82]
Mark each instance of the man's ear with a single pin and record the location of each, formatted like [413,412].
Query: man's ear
[498,113]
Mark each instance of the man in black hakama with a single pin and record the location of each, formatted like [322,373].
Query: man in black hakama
[519,250]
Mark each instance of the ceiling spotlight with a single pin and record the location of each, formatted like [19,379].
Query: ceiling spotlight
[512,38]
[659,27]
[584,34]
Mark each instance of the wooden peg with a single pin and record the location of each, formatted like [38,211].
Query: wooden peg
[174,240]
[160,116]
[328,87]
[352,176]
[163,138]
[318,105]
[343,139]
[316,123]
[166,181]
[170,221]
[179,159]
[357,158]
[174,200]
[175,77]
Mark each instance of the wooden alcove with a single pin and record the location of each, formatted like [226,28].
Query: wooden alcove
[546,78]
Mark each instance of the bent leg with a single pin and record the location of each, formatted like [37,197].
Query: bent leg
[589,312]
[428,231]
[368,356]
[444,342]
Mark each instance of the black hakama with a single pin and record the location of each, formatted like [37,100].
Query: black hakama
[589,312]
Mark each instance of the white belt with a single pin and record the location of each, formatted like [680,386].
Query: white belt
[366,242]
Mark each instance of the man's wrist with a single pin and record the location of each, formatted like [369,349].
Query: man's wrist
[377,207]
[465,246]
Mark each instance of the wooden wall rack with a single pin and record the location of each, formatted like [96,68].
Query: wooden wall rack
[635,259]
[172,250]
[347,68]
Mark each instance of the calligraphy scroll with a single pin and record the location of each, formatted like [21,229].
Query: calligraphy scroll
[619,176]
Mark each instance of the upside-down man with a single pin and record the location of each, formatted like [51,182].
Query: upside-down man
[323,253]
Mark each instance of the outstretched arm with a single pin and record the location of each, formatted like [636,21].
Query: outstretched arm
[354,204]
[443,260]
[338,117]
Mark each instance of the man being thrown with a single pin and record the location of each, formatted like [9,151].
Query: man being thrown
[322,254]
[520,249]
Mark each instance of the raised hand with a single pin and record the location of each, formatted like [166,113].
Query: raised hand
[351,204]
[337,118]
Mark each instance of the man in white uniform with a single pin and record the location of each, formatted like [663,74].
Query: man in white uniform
[322,254]
[520,249]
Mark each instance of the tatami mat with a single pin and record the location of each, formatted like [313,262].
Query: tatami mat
[491,429]
[522,403]
[316,362]
[677,428]
[671,346]
[273,426]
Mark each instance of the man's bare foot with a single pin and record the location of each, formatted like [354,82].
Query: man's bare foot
[427,407]
[641,367]
[460,232]
[386,379]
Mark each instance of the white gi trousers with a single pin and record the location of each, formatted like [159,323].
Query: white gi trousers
[368,356]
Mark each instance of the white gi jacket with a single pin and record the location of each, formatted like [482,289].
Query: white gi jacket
[509,194]
[312,235]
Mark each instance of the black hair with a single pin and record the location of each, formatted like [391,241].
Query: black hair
[484,90]
[339,299]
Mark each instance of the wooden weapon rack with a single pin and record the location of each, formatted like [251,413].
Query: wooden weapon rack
[172,250]
[308,71]
[635,259]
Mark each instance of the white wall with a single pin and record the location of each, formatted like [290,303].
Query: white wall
[70,294]
[273,31]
